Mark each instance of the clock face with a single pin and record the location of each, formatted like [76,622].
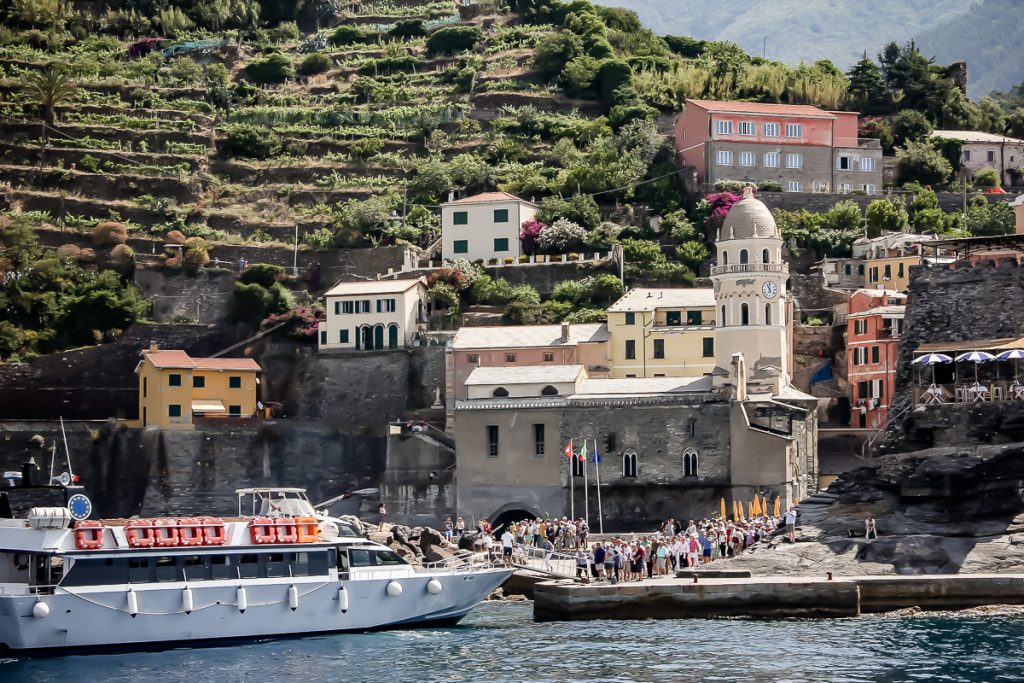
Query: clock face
[770,290]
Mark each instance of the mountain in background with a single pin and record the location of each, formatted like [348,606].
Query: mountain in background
[984,33]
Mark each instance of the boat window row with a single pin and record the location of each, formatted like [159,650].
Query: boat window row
[88,571]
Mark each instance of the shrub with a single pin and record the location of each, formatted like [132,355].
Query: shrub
[770,186]
[886,215]
[529,233]
[909,125]
[108,233]
[265,274]
[987,177]
[319,239]
[844,215]
[920,162]
[643,254]
[275,68]
[453,39]
[562,235]
[586,315]
[350,35]
[87,255]
[366,147]
[990,219]
[255,142]
[555,51]
[284,32]
[175,237]
[581,209]
[408,28]
[123,257]
[315,63]
[196,254]
[69,251]
[613,74]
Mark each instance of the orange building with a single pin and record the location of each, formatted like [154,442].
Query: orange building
[874,327]
[803,148]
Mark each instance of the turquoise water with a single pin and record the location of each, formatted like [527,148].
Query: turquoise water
[499,642]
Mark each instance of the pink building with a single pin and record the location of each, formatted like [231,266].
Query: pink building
[525,345]
[803,148]
[874,326]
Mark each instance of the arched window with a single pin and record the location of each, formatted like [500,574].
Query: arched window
[744,314]
[500,392]
[767,314]
[549,391]
[765,258]
[629,463]
[690,463]
[725,258]
[722,322]
[378,336]
[577,465]
[365,337]
[743,256]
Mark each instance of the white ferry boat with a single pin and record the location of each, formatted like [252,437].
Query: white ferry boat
[150,583]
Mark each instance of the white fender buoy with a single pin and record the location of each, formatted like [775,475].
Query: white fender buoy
[434,587]
[133,603]
[293,598]
[187,603]
[343,599]
[240,599]
[394,589]
[40,610]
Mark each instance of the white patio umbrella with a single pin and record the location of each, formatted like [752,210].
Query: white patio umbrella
[1015,355]
[975,357]
[932,359]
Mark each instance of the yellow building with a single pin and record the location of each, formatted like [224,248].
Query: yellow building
[174,387]
[890,272]
[662,333]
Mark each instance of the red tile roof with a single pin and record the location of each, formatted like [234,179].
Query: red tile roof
[180,359]
[488,197]
[759,108]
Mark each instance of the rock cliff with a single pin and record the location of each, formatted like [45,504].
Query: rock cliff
[942,510]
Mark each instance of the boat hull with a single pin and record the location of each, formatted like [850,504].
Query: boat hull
[100,619]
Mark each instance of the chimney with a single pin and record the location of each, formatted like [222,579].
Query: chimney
[739,368]
[153,347]
[565,332]
[451,196]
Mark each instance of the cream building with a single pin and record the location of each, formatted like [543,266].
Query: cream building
[372,315]
[662,333]
[987,150]
[484,227]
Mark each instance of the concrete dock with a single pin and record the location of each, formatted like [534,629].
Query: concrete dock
[775,597]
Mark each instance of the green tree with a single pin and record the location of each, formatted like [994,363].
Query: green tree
[984,218]
[845,215]
[986,177]
[867,87]
[275,68]
[910,125]
[921,163]
[453,39]
[49,87]
[886,215]
[553,52]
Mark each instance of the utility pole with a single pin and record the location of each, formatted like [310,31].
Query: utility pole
[295,252]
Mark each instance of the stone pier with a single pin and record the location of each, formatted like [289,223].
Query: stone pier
[775,597]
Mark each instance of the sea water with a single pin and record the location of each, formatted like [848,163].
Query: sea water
[499,642]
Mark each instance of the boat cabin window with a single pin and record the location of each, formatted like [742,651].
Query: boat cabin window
[196,568]
[276,566]
[365,557]
[167,569]
[96,571]
[249,566]
[136,570]
[223,566]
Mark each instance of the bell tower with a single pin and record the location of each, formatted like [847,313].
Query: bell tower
[752,304]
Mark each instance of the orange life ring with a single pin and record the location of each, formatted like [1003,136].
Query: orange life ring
[308,529]
[286,531]
[139,533]
[166,532]
[189,531]
[213,531]
[88,534]
[261,530]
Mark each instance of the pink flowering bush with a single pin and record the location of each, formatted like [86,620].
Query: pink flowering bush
[301,322]
[529,235]
[718,206]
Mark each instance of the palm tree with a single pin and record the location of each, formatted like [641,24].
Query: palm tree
[49,87]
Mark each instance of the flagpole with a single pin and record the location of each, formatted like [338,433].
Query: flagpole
[600,510]
[572,485]
[586,488]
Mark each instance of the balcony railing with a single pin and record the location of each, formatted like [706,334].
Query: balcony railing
[750,268]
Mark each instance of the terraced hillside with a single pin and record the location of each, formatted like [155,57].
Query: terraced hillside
[353,133]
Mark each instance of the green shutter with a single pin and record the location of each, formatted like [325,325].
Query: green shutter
[501,244]
[460,247]
[460,218]
[501,215]
[344,336]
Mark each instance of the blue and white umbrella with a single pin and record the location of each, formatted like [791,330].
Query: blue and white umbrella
[932,359]
[1014,355]
[975,357]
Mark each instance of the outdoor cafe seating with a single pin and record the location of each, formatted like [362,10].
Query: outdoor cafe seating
[977,371]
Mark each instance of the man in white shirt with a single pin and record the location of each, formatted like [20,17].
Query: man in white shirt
[506,546]
[790,520]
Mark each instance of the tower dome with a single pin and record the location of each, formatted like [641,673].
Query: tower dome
[749,218]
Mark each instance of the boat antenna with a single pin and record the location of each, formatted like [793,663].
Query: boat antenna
[67,453]
[53,457]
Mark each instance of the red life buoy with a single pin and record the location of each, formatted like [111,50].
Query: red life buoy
[139,533]
[213,531]
[286,531]
[308,529]
[261,530]
[88,534]
[189,531]
[166,532]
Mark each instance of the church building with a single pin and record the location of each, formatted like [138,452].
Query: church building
[697,406]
